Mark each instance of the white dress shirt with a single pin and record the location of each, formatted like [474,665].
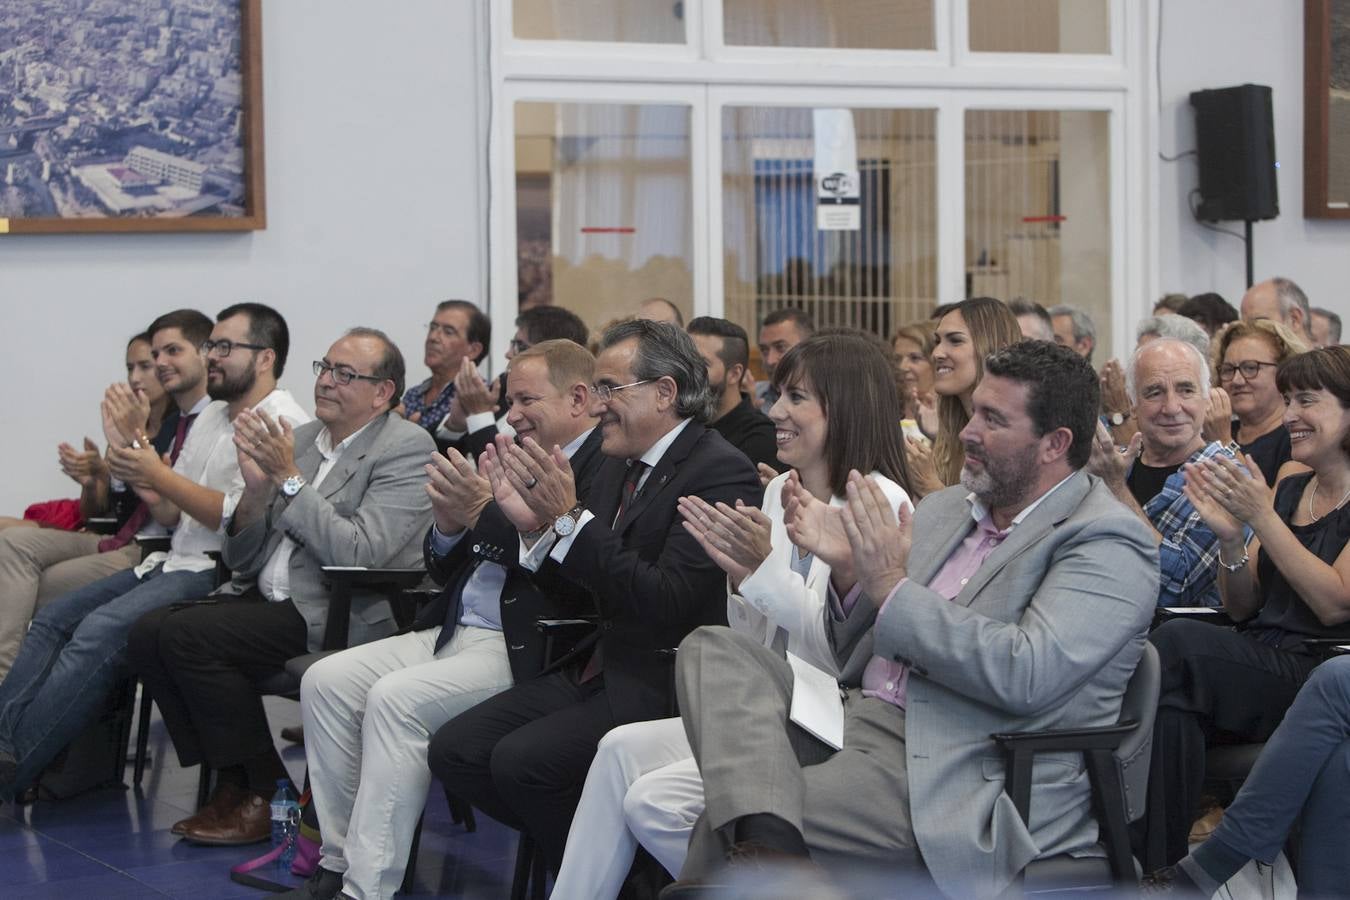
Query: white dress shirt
[274,579]
[209,458]
[556,547]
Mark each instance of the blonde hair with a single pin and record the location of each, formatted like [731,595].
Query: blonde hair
[568,362]
[1279,336]
[992,326]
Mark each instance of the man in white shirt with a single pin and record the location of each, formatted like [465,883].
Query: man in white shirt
[346,490]
[75,650]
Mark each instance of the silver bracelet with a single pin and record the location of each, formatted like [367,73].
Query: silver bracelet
[1237,565]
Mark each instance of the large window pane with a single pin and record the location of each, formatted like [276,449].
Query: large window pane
[1041,26]
[602,207]
[1038,211]
[876,276]
[843,24]
[642,21]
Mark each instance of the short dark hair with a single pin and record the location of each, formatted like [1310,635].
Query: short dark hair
[143,337]
[1021,306]
[799,317]
[265,327]
[1209,310]
[194,326]
[735,342]
[391,364]
[552,323]
[665,350]
[1325,369]
[1171,302]
[480,326]
[1063,390]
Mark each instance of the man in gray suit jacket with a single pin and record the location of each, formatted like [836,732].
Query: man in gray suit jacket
[346,490]
[1017,601]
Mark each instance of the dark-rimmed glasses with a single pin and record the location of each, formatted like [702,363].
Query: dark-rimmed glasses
[342,374]
[224,347]
[1249,368]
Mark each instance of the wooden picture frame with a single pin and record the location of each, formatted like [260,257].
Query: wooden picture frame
[1326,117]
[149,189]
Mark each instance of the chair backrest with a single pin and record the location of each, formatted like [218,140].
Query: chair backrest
[1139,704]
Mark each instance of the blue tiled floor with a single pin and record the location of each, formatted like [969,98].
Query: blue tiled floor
[115,843]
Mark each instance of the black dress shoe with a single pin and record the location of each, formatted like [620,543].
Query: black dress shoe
[322,885]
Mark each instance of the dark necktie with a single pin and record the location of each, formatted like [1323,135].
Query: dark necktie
[141,514]
[626,494]
[630,484]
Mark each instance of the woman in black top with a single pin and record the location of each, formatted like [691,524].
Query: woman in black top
[1245,360]
[1290,585]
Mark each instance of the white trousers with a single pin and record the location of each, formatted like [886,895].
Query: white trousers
[369,713]
[642,788]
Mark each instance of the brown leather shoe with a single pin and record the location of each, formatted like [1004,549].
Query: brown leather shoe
[248,823]
[226,798]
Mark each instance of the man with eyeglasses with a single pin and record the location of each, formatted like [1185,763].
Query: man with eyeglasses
[522,755]
[75,650]
[458,331]
[345,490]
[471,642]
[478,410]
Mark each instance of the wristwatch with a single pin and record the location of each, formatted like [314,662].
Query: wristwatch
[1117,419]
[291,486]
[567,522]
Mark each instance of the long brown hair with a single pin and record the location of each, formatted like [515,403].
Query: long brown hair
[992,326]
[854,376]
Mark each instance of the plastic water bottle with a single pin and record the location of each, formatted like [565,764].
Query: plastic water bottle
[285,824]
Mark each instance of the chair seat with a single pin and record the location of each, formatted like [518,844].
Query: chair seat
[1067,874]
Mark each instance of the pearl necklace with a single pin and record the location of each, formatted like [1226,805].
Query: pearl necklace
[1313,494]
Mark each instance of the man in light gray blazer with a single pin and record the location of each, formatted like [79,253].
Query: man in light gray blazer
[1016,601]
[346,490]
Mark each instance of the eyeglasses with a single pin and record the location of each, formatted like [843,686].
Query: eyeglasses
[342,374]
[605,392]
[224,347]
[1249,368]
[519,346]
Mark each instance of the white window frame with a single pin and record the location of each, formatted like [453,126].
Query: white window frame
[707,75]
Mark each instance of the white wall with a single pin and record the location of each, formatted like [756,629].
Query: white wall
[1221,43]
[376,210]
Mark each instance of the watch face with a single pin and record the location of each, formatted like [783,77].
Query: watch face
[563,525]
[291,486]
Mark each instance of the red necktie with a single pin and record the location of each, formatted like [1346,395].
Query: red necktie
[141,514]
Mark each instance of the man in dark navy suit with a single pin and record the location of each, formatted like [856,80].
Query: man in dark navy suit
[522,756]
[369,711]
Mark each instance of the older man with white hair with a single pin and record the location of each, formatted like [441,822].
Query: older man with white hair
[1168,384]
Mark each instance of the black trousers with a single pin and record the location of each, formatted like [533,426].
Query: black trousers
[201,664]
[522,756]
[1218,685]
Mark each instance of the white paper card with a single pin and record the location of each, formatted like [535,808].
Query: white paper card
[816,704]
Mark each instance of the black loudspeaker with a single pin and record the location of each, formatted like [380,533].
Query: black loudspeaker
[1235,141]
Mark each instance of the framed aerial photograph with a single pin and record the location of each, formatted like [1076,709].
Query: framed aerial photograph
[130,115]
[1326,109]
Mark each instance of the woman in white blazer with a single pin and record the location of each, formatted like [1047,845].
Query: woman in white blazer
[839,409]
